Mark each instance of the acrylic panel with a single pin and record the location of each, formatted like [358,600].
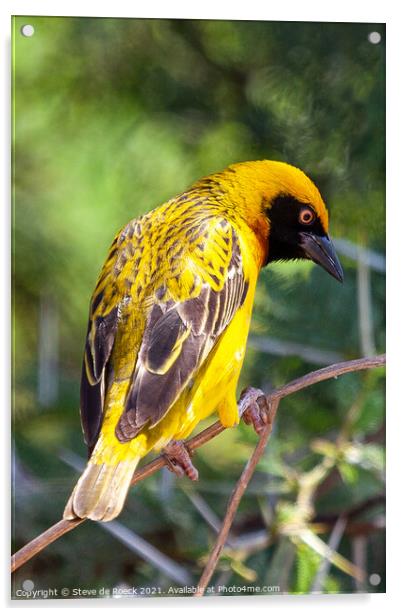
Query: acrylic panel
[111,119]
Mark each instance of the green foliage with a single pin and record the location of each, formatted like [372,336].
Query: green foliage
[307,562]
[114,116]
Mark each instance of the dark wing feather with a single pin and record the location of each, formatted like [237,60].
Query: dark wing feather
[98,347]
[177,339]
[91,404]
[100,339]
[102,328]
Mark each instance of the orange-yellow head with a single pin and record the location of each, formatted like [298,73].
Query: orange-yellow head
[285,210]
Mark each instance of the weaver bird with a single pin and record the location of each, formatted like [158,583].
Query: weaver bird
[170,315]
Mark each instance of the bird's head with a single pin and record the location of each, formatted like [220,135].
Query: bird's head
[287,212]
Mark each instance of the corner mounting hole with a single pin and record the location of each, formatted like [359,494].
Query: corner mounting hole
[374,38]
[374,579]
[27,30]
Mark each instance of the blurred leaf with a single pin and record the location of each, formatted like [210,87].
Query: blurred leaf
[245,572]
[349,472]
[322,549]
[307,562]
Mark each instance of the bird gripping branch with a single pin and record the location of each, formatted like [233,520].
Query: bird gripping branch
[170,315]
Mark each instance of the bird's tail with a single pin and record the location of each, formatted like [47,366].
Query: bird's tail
[101,490]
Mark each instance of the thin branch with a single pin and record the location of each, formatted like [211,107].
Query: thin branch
[42,541]
[234,503]
[273,400]
[333,543]
[131,540]
[354,365]
[64,526]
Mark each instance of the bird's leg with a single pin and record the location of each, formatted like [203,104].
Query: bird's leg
[179,461]
[254,408]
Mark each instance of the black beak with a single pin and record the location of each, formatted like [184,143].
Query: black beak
[321,250]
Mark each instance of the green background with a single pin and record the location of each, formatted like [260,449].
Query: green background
[111,118]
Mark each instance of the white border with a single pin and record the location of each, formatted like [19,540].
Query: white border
[287,10]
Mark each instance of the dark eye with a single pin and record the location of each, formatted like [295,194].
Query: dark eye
[306,216]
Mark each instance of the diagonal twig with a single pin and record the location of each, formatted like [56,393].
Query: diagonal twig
[273,400]
[64,526]
[134,542]
[334,540]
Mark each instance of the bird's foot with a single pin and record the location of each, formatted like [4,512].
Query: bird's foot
[179,461]
[257,412]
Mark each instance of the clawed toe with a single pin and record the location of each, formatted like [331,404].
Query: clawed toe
[256,410]
[179,461]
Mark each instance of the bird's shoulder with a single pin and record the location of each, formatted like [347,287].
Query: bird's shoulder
[170,254]
[172,251]
[173,280]
[201,288]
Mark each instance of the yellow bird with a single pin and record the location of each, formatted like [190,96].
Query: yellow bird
[170,315]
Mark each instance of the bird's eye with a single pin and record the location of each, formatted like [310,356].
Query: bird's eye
[306,216]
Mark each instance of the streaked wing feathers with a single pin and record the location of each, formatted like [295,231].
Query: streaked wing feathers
[177,339]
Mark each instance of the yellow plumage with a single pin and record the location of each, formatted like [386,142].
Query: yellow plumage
[169,320]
